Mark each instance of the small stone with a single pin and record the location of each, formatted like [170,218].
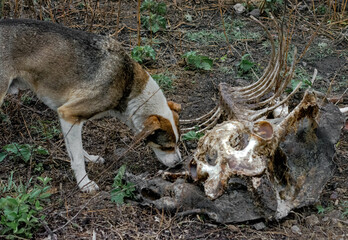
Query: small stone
[233,228]
[295,229]
[259,226]
[334,196]
[312,220]
[239,8]
[255,12]
[334,214]
[289,223]
[304,64]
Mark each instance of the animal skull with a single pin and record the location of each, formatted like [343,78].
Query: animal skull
[241,148]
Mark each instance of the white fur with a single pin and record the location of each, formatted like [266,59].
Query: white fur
[73,141]
[151,102]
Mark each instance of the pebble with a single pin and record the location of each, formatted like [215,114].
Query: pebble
[239,8]
[259,226]
[312,220]
[255,12]
[295,229]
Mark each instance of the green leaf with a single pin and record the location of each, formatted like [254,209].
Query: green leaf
[3,155]
[192,135]
[41,150]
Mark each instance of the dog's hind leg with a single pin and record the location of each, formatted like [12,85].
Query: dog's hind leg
[73,141]
[4,85]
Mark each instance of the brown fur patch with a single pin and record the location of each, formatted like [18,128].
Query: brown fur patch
[158,130]
[141,77]
[176,108]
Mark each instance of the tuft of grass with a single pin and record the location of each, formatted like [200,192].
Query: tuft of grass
[46,130]
[205,36]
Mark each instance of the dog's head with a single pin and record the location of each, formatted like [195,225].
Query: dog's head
[162,135]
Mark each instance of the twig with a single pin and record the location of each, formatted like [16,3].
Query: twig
[139,23]
[83,207]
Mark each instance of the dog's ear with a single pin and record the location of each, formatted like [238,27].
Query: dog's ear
[174,106]
[151,124]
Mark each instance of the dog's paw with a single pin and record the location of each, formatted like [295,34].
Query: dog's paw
[94,159]
[89,187]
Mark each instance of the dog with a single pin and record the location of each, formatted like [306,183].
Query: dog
[85,76]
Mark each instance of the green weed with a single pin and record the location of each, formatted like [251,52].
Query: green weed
[205,36]
[153,15]
[197,61]
[21,214]
[245,65]
[21,151]
[143,53]
[121,190]
[46,130]
[300,75]
[272,6]
[164,80]
[192,135]
[321,9]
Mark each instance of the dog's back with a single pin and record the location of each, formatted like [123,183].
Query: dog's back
[54,60]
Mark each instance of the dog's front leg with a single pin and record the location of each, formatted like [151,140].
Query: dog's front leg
[73,141]
[93,158]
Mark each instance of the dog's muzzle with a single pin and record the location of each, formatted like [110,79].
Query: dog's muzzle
[170,159]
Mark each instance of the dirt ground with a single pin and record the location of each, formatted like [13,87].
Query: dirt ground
[191,26]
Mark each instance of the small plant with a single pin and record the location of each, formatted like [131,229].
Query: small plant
[197,61]
[46,130]
[192,135]
[321,9]
[121,190]
[322,210]
[153,18]
[301,75]
[205,36]
[21,214]
[142,53]
[245,65]
[164,81]
[21,151]
[272,6]
[344,206]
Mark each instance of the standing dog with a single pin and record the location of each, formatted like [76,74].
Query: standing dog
[82,76]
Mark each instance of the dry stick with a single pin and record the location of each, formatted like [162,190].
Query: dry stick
[86,204]
[339,99]
[230,47]
[93,15]
[139,22]
[118,18]
[41,9]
